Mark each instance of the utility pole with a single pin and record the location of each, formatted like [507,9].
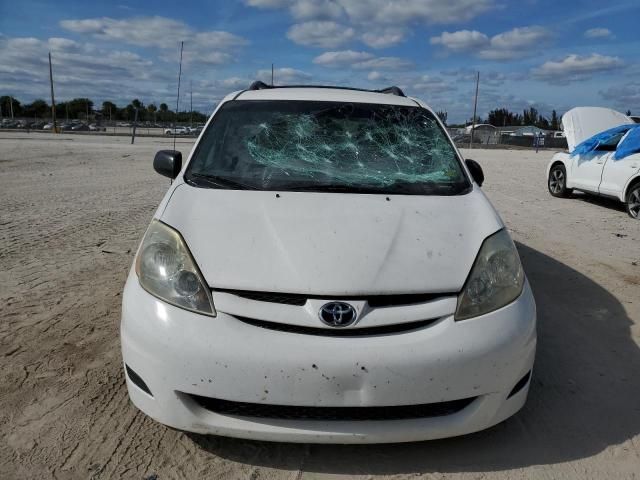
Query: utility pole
[191,106]
[135,124]
[178,96]
[272,74]
[475,108]
[11,105]
[53,101]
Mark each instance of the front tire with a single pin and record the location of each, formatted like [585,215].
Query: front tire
[557,182]
[633,202]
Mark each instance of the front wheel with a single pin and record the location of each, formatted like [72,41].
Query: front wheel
[633,202]
[557,182]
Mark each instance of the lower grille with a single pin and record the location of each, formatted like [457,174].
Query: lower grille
[288,412]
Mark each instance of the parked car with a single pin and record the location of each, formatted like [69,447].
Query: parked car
[80,127]
[326,268]
[47,126]
[97,128]
[176,131]
[604,157]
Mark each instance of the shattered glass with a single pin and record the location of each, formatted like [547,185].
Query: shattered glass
[279,144]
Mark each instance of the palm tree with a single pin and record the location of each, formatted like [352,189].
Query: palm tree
[164,108]
[152,109]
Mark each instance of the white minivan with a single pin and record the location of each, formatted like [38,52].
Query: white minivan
[325,268]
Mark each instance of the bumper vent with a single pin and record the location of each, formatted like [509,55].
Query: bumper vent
[375,301]
[287,412]
[137,380]
[521,384]
[338,332]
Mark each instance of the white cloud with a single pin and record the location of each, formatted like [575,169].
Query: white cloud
[141,31]
[78,69]
[384,63]
[384,38]
[461,41]
[315,9]
[377,23]
[376,76]
[268,3]
[513,44]
[209,47]
[574,68]
[341,58]
[383,11]
[598,33]
[432,85]
[235,82]
[284,75]
[360,61]
[323,34]
[414,11]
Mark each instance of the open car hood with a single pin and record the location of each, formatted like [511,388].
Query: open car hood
[332,243]
[581,123]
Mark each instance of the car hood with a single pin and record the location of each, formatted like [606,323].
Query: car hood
[581,123]
[331,243]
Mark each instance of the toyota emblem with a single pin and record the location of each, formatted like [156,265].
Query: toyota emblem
[338,314]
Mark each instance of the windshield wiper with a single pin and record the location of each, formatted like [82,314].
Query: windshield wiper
[215,181]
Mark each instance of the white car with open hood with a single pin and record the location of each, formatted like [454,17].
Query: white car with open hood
[603,158]
[326,268]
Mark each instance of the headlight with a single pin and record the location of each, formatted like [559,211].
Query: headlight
[496,278]
[166,269]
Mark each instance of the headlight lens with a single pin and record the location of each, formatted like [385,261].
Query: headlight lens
[166,269]
[496,278]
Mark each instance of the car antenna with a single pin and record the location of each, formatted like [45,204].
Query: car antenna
[177,97]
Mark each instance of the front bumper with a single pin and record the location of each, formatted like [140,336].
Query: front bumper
[179,354]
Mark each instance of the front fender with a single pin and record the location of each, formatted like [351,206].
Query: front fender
[563,158]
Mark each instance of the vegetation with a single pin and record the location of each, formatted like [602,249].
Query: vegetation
[503,117]
[83,108]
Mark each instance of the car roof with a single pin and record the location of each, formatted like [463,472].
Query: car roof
[328,94]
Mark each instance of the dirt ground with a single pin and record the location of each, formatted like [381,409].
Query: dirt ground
[74,209]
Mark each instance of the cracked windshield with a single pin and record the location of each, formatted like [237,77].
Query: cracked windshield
[327,146]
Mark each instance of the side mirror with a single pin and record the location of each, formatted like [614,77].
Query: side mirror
[168,163]
[476,171]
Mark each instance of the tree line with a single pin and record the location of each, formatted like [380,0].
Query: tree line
[502,117]
[84,108]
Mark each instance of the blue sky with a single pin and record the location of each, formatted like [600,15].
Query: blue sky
[541,53]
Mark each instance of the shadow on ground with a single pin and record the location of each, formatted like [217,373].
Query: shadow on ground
[604,202]
[584,396]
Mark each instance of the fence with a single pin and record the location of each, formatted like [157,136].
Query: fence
[495,139]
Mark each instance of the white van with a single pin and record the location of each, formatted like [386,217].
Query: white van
[326,268]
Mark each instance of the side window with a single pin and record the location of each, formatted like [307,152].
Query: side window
[611,144]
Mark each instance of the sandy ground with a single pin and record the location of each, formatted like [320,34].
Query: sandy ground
[73,211]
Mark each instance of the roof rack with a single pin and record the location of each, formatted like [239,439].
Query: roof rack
[258,85]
